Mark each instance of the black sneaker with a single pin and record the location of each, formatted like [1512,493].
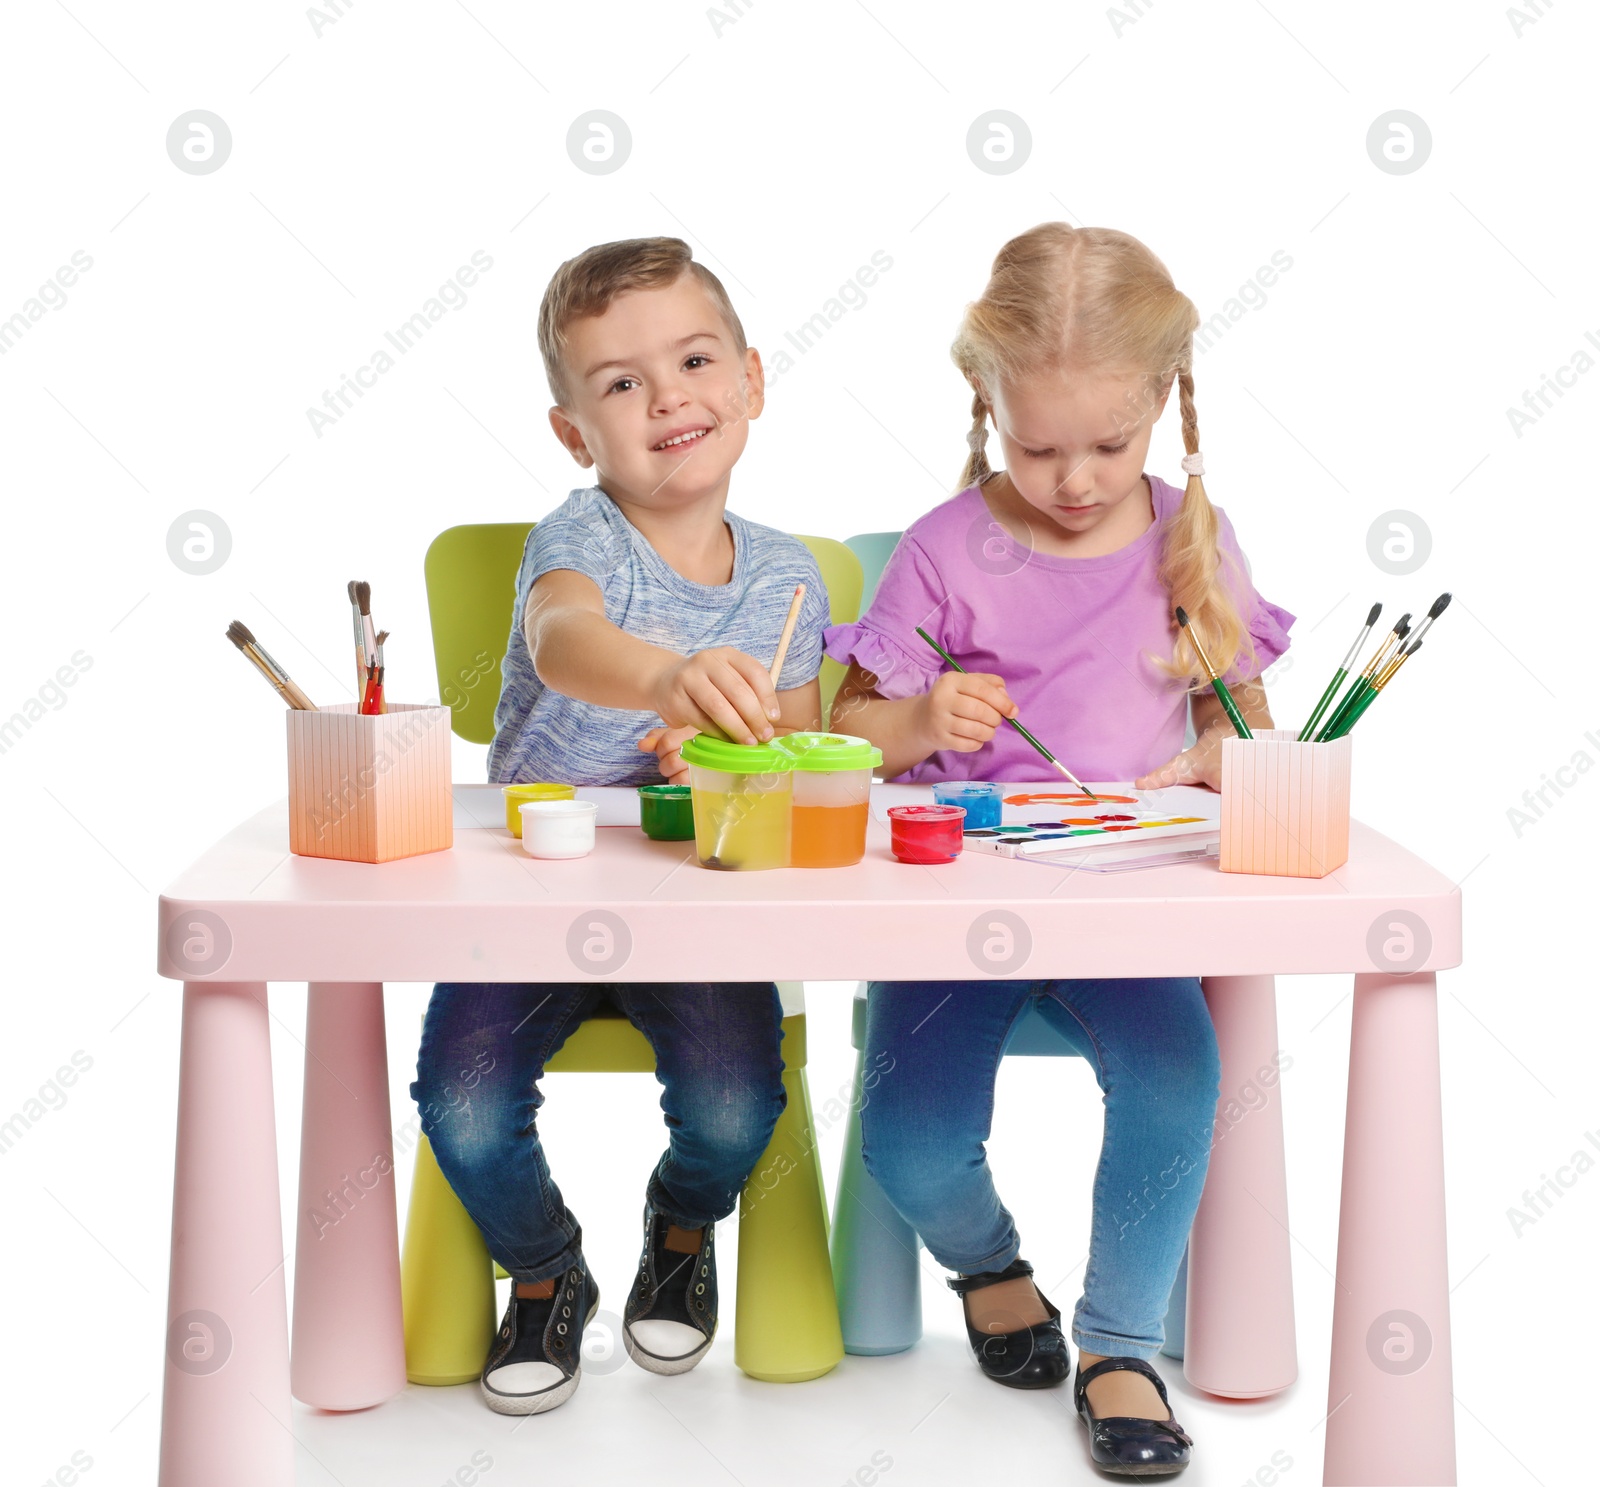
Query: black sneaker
[534,1362]
[671,1315]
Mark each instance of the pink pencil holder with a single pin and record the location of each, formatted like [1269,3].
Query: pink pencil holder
[369,789]
[1285,805]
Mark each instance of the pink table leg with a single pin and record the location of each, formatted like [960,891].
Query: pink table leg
[225,1404]
[1390,1406]
[349,1350]
[1239,1338]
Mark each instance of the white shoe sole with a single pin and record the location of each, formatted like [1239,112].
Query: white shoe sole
[656,1364]
[545,1399]
[530,1404]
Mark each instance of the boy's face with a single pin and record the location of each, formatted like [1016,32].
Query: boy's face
[658,366]
[1075,446]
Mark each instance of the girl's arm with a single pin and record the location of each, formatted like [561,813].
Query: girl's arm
[1202,764]
[959,712]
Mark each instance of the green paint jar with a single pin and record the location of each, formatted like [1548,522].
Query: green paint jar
[666,812]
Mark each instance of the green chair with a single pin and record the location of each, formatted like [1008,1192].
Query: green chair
[786,1318]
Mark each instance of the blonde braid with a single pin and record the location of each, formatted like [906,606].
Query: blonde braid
[976,470]
[1189,566]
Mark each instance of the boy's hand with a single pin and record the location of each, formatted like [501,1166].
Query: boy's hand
[665,743]
[1200,765]
[720,690]
[962,710]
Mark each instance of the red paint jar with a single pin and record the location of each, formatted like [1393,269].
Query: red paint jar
[926,833]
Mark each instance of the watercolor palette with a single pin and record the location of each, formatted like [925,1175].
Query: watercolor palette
[1039,838]
[1118,828]
[1113,828]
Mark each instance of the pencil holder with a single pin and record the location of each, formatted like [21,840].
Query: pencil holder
[369,789]
[1285,805]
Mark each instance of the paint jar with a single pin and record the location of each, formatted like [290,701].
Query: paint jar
[558,828]
[832,781]
[516,795]
[666,812]
[742,795]
[926,833]
[978,798]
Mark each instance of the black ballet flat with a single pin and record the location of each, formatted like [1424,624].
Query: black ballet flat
[1033,1357]
[1124,1443]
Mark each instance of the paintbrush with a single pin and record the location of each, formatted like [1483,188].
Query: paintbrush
[951,661]
[1362,688]
[726,821]
[361,642]
[364,604]
[1383,679]
[1435,609]
[372,703]
[1339,675]
[1224,696]
[276,676]
[788,634]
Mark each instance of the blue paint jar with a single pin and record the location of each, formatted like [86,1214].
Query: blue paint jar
[980,800]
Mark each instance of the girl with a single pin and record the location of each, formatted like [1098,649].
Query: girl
[1061,571]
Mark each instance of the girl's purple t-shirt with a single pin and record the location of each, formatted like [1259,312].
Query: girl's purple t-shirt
[1069,635]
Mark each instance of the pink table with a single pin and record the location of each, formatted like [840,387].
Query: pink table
[248,913]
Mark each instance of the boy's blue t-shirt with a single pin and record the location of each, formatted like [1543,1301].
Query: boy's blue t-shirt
[541,734]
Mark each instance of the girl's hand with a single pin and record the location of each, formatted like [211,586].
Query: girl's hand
[665,743]
[1200,765]
[721,690]
[962,710]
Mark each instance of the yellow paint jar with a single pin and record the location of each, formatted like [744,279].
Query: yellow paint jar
[518,796]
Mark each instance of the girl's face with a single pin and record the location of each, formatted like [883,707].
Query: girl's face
[1075,445]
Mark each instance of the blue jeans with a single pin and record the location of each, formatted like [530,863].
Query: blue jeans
[484,1051]
[1154,1053]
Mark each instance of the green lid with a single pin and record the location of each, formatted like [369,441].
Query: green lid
[732,758]
[829,753]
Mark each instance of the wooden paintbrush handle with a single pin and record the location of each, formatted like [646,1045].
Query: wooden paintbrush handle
[788,633]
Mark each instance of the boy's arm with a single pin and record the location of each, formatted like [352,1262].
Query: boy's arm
[579,652]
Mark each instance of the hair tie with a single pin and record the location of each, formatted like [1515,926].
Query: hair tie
[1193,464]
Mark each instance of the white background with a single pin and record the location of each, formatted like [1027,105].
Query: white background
[369,160]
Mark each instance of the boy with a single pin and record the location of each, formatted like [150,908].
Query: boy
[644,612]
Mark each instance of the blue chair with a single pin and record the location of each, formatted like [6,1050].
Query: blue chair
[872,551]
[875,1260]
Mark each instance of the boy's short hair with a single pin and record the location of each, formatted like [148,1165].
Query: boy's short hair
[587,284]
